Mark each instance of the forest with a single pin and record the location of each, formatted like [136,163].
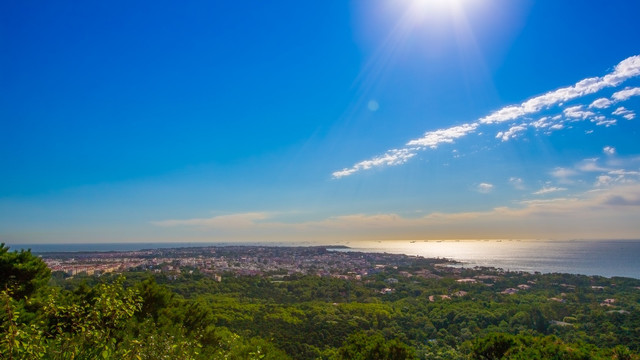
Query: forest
[392,313]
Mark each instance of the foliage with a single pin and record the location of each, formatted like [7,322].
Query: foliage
[363,346]
[521,347]
[21,272]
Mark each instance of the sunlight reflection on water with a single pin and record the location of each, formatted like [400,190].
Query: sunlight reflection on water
[604,257]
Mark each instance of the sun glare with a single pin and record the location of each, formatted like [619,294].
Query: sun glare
[430,5]
[435,10]
[434,16]
[429,8]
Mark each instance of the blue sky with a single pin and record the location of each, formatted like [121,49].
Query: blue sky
[319,121]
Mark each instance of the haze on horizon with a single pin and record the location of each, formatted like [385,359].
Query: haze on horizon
[319,122]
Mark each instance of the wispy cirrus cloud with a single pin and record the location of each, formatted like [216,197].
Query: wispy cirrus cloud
[604,172]
[232,220]
[603,213]
[516,182]
[564,175]
[626,69]
[391,157]
[484,188]
[432,139]
[607,208]
[591,165]
[549,189]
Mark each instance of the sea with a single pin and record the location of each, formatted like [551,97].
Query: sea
[588,257]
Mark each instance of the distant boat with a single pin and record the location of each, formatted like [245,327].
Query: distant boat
[413,242]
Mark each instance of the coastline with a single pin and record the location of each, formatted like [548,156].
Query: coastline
[608,258]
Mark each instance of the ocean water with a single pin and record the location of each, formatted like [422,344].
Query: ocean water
[603,257]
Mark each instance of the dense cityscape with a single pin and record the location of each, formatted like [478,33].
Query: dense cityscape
[335,261]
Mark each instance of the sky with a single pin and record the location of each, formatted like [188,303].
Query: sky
[326,121]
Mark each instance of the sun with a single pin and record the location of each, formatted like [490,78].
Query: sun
[424,10]
[430,4]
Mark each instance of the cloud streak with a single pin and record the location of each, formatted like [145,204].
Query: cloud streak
[391,157]
[599,214]
[484,188]
[432,139]
[233,220]
[548,189]
[626,69]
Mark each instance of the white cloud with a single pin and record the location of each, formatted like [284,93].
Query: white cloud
[603,180]
[625,113]
[432,139]
[391,157]
[621,111]
[606,174]
[549,123]
[609,150]
[511,133]
[626,69]
[484,188]
[543,122]
[576,112]
[563,174]
[625,94]
[507,113]
[622,172]
[601,103]
[590,165]
[548,189]
[603,121]
[619,176]
[517,183]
